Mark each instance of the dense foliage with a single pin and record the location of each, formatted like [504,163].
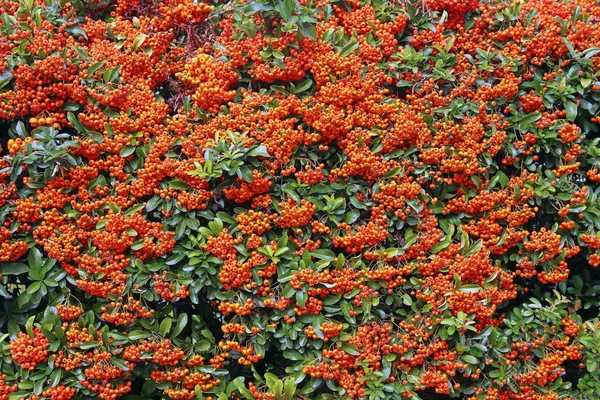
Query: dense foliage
[299,199]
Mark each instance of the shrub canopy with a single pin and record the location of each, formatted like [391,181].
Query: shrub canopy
[311,199]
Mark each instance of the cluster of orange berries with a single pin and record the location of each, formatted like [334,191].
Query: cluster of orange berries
[180,394]
[233,328]
[18,145]
[437,380]
[6,389]
[328,330]
[371,340]
[11,251]
[545,241]
[253,222]
[166,354]
[247,191]
[569,133]
[456,9]
[570,327]
[68,362]
[531,102]
[184,12]
[370,234]
[75,334]
[293,214]
[593,174]
[167,290]
[248,355]
[298,55]
[108,391]
[211,81]
[60,392]
[119,313]
[592,241]
[29,351]
[69,313]
[393,196]
[236,308]
[311,176]
[173,375]
[260,395]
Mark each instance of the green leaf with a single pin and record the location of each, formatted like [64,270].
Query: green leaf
[148,388]
[285,8]
[95,67]
[495,374]
[289,387]
[70,107]
[392,172]
[6,77]
[139,39]
[474,248]
[29,326]
[165,326]
[181,323]
[351,216]
[271,379]
[238,383]
[304,86]
[345,308]
[137,245]
[111,74]
[591,366]
[323,254]
[154,202]
[308,30]
[127,151]
[134,209]
[349,48]
[301,298]
[570,47]
[278,387]
[119,363]
[55,377]
[259,151]
[350,349]
[440,246]
[138,335]
[35,258]
[469,359]
[178,184]
[571,109]
[470,288]
[77,31]
[586,82]
[20,128]
[527,120]
[255,7]
[76,123]
[89,345]
[13,268]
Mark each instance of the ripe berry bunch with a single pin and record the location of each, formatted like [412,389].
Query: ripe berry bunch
[167,290]
[69,313]
[29,351]
[59,393]
[211,81]
[119,313]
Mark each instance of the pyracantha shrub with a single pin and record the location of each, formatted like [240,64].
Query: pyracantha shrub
[299,199]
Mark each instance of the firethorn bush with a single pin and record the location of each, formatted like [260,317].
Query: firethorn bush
[299,199]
